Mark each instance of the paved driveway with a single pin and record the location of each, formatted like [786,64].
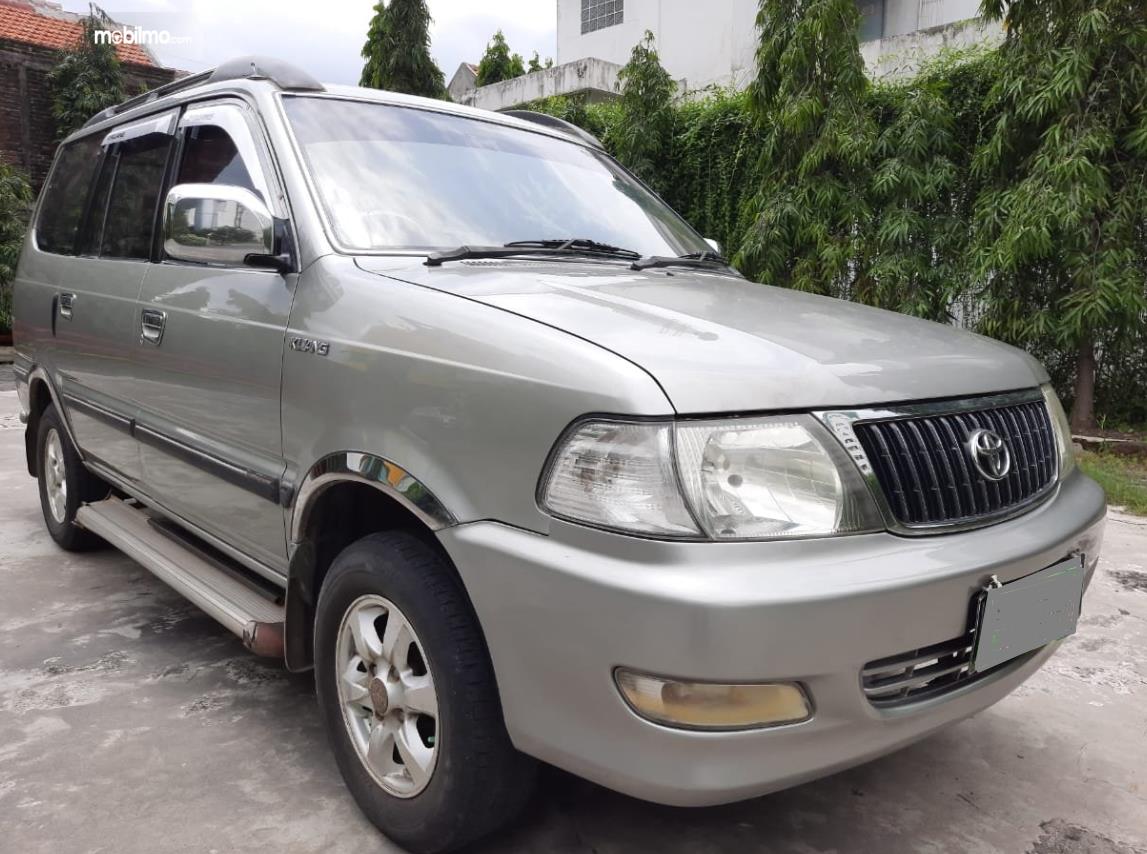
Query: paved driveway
[130,722]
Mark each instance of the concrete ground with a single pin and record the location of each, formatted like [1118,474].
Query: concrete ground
[130,722]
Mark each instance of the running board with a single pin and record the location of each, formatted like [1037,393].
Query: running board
[237,606]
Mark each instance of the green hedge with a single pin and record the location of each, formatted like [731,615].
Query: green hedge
[15,203]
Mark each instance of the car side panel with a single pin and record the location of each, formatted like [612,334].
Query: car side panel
[210,387]
[88,355]
[467,399]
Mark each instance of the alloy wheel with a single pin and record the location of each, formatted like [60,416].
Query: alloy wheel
[55,479]
[387,695]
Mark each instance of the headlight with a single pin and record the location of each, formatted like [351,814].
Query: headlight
[761,478]
[1062,429]
[619,476]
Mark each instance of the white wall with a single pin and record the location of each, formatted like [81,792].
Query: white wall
[595,78]
[715,41]
[702,43]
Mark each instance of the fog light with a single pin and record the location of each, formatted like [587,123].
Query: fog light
[711,705]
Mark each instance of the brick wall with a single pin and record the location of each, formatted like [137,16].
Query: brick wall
[27,132]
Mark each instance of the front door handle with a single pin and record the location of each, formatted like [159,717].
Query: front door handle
[65,304]
[151,323]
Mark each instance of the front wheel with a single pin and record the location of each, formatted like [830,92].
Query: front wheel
[408,697]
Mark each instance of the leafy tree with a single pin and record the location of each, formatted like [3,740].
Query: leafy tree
[913,250]
[15,204]
[536,63]
[1062,223]
[372,50]
[498,63]
[397,51]
[809,97]
[86,80]
[642,136]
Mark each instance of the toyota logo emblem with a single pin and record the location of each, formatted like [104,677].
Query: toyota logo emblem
[989,454]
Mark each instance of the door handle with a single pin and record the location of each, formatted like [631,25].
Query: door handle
[65,304]
[151,323]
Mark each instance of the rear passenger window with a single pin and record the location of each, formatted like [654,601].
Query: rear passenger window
[66,196]
[131,209]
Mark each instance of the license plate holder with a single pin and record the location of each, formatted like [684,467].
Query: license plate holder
[1029,612]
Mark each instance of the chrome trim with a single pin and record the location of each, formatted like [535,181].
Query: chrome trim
[841,423]
[132,489]
[378,472]
[151,326]
[212,203]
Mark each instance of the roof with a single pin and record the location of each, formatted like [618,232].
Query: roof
[199,85]
[47,25]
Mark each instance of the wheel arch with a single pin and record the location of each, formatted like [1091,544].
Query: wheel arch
[342,498]
[41,394]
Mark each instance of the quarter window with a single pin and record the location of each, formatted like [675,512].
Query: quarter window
[599,14]
[66,195]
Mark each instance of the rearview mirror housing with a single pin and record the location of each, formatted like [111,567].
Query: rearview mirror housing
[216,224]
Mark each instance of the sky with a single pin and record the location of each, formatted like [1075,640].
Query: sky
[325,38]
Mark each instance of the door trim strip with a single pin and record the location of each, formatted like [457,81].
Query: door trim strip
[264,486]
[244,478]
[120,422]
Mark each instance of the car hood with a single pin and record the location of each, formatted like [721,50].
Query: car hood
[719,343]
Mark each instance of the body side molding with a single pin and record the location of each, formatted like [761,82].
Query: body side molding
[377,472]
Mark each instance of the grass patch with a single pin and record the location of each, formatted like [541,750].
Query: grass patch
[1123,478]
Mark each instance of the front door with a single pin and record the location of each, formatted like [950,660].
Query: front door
[209,361]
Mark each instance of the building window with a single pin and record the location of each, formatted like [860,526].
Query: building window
[871,19]
[599,14]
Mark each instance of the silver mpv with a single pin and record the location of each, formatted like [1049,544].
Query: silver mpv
[450,407]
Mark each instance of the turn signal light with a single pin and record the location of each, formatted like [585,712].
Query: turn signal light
[712,705]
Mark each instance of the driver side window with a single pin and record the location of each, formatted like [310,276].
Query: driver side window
[210,156]
[218,211]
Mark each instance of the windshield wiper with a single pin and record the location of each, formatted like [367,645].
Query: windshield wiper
[578,243]
[533,247]
[706,260]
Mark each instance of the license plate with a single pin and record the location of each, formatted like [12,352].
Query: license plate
[1028,613]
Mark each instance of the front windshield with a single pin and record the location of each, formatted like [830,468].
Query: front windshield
[400,178]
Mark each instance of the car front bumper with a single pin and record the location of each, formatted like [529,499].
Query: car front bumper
[561,612]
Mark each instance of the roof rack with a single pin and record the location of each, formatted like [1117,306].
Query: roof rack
[282,74]
[553,122]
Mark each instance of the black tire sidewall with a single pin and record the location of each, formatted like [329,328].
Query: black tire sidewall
[434,819]
[82,486]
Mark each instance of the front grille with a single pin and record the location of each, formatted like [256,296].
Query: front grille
[921,674]
[927,473]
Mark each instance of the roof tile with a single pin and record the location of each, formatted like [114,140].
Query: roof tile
[23,24]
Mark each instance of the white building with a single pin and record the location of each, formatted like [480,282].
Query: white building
[715,42]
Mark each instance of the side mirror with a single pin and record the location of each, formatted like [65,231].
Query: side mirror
[714,245]
[218,224]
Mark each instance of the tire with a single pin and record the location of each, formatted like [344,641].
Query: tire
[58,465]
[470,780]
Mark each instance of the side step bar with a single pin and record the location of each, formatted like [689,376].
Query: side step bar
[253,617]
